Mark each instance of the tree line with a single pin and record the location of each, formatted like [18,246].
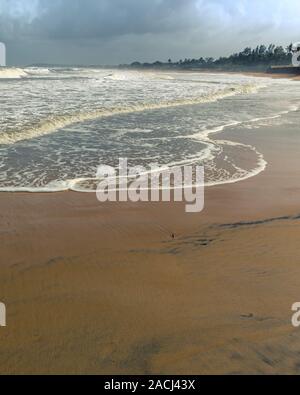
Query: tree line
[260,57]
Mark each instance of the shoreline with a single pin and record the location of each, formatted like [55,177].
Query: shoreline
[294,77]
[259,74]
[215,299]
[125,288]
[208,185]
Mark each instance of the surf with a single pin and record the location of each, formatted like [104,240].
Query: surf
[57,122]
[12,73]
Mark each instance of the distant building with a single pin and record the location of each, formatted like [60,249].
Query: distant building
[2,55]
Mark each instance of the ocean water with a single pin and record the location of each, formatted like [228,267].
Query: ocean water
[58,125]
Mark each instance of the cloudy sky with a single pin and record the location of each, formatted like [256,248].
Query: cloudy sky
[121,31]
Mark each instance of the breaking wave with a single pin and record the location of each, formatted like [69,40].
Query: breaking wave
[168,124]
[37,71]
[55,123]
[12,73]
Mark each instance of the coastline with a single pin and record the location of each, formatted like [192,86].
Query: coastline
[108,283]
[149,191]
[294,77]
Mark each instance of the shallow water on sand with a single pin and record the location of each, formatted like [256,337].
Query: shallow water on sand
[58,125]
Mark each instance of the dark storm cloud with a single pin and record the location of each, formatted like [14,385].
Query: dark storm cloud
[69,19]
[90,19]
[116,31]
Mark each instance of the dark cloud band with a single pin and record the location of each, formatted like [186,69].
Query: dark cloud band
[117,31]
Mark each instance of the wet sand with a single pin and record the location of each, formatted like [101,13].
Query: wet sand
[274,75]
[266,74]
[105,289]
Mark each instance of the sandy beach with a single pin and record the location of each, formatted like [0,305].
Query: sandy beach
[105,289]
[159,101]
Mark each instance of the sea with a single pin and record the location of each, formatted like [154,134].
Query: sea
[58,125]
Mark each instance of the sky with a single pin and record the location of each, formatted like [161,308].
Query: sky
[121,31]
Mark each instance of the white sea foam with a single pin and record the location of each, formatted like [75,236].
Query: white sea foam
[190,113]
[117,77]
[55,123]
[12,73]
[74,184]
[37,71]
